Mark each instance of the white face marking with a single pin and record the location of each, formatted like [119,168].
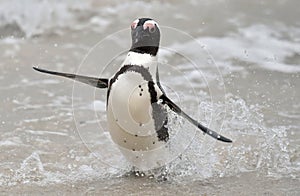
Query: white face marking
[134,23]
[150,24]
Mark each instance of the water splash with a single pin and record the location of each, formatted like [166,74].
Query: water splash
[256,147]
[25,19]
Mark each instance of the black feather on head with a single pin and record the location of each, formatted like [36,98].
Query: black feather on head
[145,36]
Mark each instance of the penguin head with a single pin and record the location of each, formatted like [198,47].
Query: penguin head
[145,36]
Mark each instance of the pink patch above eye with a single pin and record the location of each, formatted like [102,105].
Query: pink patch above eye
[133,25]
[149,25]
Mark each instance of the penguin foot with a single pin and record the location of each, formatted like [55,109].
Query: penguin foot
[134,173]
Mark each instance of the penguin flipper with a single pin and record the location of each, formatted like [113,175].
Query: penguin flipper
[96,82]
[176,109]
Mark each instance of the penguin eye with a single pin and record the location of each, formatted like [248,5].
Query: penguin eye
[134,24]
[149,25]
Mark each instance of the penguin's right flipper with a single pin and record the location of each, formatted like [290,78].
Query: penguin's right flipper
[176,109]
[96,82]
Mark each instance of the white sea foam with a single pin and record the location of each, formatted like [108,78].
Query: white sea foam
[34,16]
[46,133]
[258,45]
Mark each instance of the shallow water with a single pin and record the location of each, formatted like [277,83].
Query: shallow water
[233,65]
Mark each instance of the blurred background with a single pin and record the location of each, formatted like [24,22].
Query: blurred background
[241,78]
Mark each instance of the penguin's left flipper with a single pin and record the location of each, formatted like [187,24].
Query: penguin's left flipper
[96,82]
[176,109]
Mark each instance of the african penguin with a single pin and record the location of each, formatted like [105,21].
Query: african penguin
[136,102]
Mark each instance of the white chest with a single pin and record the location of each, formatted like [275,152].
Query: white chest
[130,118]
[129,102]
